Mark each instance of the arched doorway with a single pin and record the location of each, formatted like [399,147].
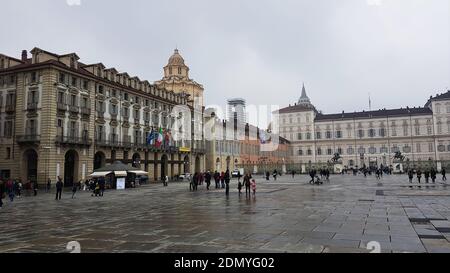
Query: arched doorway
[218,165]
[136,161]
[187,167]
[197,164]
[164,163]
[70,168]
[30,160]
[99,160]
[228,163]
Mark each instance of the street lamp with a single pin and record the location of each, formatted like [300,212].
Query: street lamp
[48,148]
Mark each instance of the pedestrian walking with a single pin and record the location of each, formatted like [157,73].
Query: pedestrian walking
[49,184]
[35,187]
[419,175]
[10,189]
[275,174]
[267,176]
[433,175]
[444,178]
[247,184]
[19,188]
[208,180]
[410,176]
[101,185]
[74,190]
[2,192]
[293,174]
[195,181]
[253,184]
[227,182]
[217,179]
[222,180]
[11,195]
[312,174]
[59,188]
[426,174]
[240,188]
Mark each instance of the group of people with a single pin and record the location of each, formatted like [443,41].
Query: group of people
[315,179]
[222,181]
[274,174]
[198,179]
[248,183]
[432,173]
[13,188]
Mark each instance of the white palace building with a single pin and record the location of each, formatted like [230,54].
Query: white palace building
[370,138]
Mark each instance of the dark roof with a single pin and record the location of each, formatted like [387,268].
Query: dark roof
[284,140]
[297,108]
[79,70]
[12,58]
[442,96]
[376,114]
[116,166]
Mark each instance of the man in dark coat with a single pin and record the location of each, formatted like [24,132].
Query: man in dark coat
[208,180]
[59,187]
[247,184]
[227,182]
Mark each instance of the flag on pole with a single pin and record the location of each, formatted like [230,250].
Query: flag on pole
[159,138]
[151,137]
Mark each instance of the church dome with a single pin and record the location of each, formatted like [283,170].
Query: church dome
[176,59]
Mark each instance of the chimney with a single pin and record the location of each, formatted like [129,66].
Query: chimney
[24,56]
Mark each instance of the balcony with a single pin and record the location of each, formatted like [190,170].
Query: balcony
[61,106]
[72,140]
[74,109]
[10,108]
[126,141]
[29,139]
[100,115]
[86,111]
[32,106]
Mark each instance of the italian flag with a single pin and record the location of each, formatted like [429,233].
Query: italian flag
[159,139]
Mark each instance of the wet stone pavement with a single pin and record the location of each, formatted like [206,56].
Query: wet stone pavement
[288,215]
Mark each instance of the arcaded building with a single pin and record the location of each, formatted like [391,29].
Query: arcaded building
[61,117]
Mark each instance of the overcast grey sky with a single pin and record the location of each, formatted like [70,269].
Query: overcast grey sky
[261,50]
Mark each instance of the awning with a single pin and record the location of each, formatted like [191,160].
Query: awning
[120,173]
[99,174]
[139,172]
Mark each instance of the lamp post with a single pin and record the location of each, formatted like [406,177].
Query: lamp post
[48,148]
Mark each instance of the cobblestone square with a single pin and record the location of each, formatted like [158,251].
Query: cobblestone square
[288,215]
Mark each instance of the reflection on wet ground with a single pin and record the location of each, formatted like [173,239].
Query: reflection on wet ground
[288,215]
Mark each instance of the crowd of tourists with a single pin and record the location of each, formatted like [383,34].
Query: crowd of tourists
[222,181]
[427,174]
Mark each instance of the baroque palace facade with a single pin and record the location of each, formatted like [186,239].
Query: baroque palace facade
[370,138]
[60,117]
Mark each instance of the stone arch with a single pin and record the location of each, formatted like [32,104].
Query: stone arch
[71,161]
[136,160]
[187,167]
[30,164]
[164,166]
[99,160]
